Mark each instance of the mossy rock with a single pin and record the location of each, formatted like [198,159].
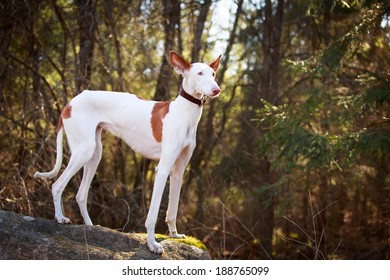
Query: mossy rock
[24,237]
[189,240]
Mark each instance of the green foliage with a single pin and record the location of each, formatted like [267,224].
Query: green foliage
[369,144]
[378,94]
[330,59]
[290,139]
[297,135]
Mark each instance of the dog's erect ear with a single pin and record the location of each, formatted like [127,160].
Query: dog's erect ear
[179,63]
[215,63]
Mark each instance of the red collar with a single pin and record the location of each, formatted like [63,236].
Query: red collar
[190,98]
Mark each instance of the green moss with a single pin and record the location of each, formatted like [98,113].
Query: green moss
[160,237]
[189,240]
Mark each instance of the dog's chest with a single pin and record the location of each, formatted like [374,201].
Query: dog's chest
[182,121]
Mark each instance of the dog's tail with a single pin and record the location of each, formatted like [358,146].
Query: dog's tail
[57,165]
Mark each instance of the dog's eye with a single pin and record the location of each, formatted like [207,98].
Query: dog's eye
[214,74]
[200,73]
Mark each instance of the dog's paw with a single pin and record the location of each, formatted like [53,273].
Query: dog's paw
[155,247]
[177,235]
[63,220]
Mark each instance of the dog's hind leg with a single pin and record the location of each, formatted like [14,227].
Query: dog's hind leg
[89,171]
[82,152]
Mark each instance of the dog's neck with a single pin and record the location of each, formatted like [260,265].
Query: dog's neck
[191,98]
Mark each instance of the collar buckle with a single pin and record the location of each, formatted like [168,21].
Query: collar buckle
[203,99]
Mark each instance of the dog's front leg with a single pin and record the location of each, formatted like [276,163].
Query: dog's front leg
[158,189]
[176,180]
[168,158]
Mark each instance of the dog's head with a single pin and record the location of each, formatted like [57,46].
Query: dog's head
[199,78]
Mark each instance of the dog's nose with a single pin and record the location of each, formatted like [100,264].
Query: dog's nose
[216,91]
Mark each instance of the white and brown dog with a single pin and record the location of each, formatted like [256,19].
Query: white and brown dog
[164,131]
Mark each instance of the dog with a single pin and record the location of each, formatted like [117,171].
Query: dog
[164,131]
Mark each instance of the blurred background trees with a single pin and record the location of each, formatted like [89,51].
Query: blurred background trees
[292,159]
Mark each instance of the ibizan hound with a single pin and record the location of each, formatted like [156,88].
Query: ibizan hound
[164,131]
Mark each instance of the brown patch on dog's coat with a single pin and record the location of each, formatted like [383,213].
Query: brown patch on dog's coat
[65,114]
[159,111]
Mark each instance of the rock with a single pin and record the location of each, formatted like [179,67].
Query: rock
[24,237]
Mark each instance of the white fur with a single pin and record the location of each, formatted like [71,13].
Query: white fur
[129,118]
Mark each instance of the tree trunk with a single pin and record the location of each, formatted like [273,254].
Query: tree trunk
[319,221]
[86,20]
[7,27]
[120,154]
[118,50]
[255,170]
[171,20]
[197,42]
[206,147]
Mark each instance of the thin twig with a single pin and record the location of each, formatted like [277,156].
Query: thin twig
[314,225]
[291,221]
[223,230]
[326,207]
[232,254]
[338,245]
[302,243]
[319,244]
[234,216]
[128,214]
[219,255]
